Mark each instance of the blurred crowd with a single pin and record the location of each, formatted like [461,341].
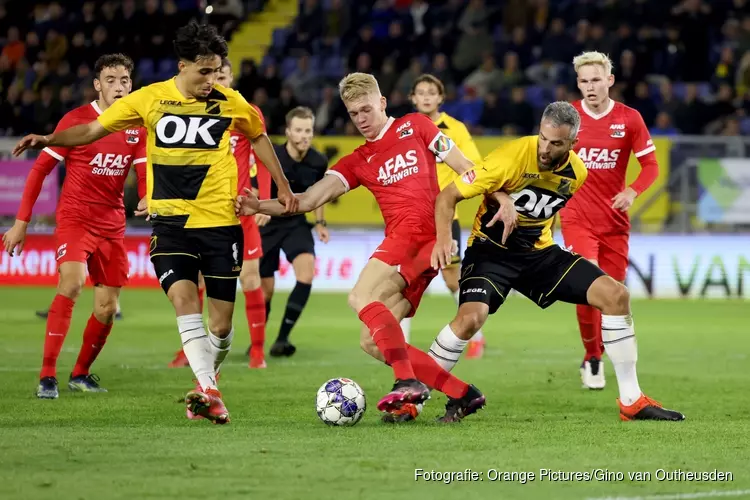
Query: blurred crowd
[684,64]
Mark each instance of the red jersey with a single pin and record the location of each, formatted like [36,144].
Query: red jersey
[248,165]
[398,167]
[92,193]
[605,142]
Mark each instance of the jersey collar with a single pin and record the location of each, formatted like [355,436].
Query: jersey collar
[96,107]
[600,115]
[385,129]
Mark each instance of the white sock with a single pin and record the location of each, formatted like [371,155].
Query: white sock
[618,337]
[447,348]
[406,328]
[117,309]
[220,348]
[197,349]
[478,337]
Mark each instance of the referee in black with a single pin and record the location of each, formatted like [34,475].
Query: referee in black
[303,166]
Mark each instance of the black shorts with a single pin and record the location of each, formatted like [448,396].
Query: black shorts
[179,254]
[544,276]
[456,235]
[293,237]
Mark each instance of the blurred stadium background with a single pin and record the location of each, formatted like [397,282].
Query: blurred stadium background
[684,64]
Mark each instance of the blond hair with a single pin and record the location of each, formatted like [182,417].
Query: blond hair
[357,85]
[593,57]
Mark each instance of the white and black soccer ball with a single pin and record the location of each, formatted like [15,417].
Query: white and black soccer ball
[340,401]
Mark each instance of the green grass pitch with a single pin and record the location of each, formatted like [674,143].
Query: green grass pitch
[134,442]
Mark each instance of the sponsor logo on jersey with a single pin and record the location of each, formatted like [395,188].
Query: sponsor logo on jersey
[166,102]
[398,168]
[618,130]
[190,131]
[404,130]
[109,164]
[474,290]
[531,175]
[599,158]
[403,126]
[469,177]
[537,204]
[62,250]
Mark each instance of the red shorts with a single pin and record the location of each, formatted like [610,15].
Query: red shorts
[411,256]
[253,248]
[106,258]
[609,250]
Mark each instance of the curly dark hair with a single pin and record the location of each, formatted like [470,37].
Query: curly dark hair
[112,61]
[195,41]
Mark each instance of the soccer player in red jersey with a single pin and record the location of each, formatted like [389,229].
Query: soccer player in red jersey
[248,167]
[397,163]
[90,225]
[595,222]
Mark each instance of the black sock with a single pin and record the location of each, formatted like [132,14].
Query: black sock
[268,309]
[295,304]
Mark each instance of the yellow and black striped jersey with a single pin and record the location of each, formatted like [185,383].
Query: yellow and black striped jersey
[191,174]
[459,134]
[538,195]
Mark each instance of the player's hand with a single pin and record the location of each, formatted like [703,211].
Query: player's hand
[31,141]
[142,208]
[506,214]
[442,253]
[15,238]
[322,231]
[262,219]
[624,200]
[246,204]
[287,198]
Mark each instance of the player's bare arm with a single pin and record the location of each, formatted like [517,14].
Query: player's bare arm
[86,133]
[320,224]
[327,189]
[264,149]
[445,207]
[457,161]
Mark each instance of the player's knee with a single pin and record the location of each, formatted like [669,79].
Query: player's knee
[185,303]
[105,309]
[614,298]
[468,322]
[219,327]
[70,287]
[304,268]
[249,281]
[358,300]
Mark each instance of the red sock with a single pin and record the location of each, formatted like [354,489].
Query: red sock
[200,297]
[94,337]
[590,324]
[255,310]
[432,374]
[389,338]
[58,324]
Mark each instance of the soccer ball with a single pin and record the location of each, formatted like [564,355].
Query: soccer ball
[340,401]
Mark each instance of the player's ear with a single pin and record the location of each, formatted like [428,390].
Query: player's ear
[97,85]
[181,65]
[383,103]
[610,80]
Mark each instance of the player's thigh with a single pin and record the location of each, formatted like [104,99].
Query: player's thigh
[74,247]
[221,253]
[250,274]
[108,264]
[299,249]
[451,275]
[105,302]
[613,255]
[377,282]
[581,240]
[487,277]
[558,275]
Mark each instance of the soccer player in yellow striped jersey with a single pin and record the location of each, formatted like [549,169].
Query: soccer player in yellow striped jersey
[427,94]
[191,190]
[538,175]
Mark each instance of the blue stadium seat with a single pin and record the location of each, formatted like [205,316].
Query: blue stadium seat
[537,96]
[147,70]
[745,126]
[278,39]
[678,89]
[333,67]
[268,60]
[452,108]
[288,65]
[471,111]
[167,69]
